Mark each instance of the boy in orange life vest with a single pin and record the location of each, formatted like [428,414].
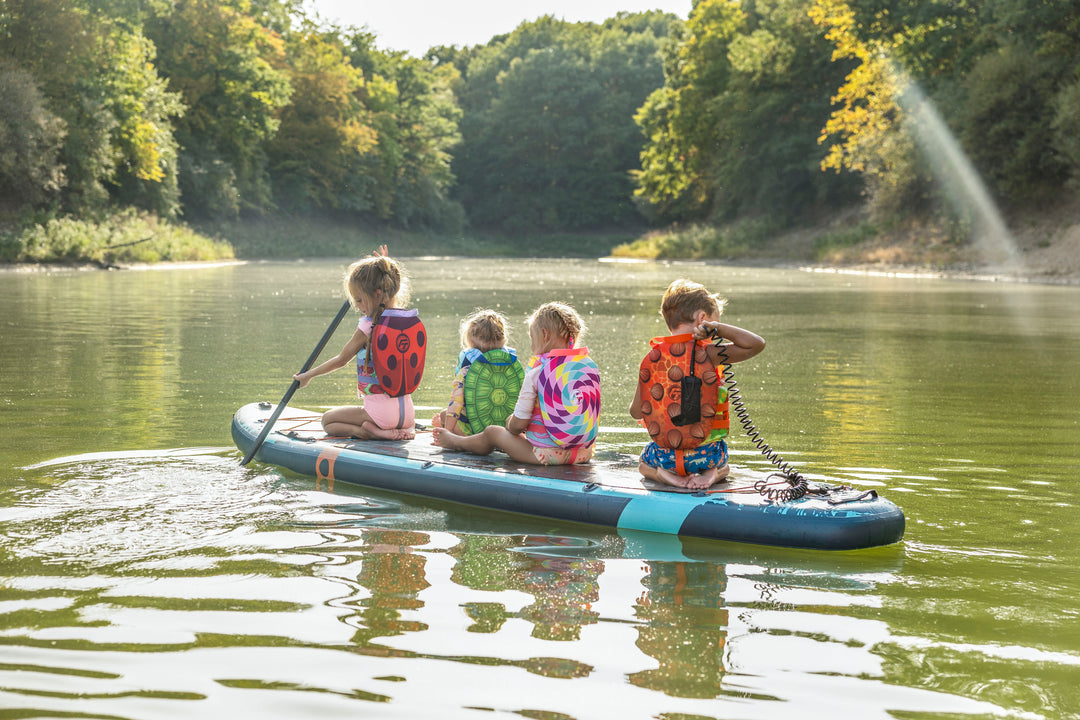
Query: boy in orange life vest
[688,448]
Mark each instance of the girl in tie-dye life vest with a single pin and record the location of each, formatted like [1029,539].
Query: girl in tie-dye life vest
[558,409]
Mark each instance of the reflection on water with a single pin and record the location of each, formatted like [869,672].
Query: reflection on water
[145,574]
[171,606]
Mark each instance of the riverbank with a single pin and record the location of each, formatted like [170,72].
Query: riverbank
[1041,248]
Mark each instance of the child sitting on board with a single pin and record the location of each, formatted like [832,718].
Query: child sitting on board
[488,377]
[389,347]
[558,409]
[681,399]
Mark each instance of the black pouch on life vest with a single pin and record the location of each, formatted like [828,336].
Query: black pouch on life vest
[690,390]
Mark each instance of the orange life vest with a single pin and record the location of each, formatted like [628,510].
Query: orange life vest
[660,389]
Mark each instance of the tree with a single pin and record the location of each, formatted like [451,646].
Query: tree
[31,138]
[230,73]
[679,120]
[96,73]
[733,131]
[324,130]
[415,115]
[1008,119]
[144,110]
[548,134]
[866,126]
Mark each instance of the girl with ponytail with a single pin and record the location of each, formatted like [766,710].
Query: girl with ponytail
[388,369]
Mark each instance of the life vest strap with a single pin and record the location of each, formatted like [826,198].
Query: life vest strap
[680,463]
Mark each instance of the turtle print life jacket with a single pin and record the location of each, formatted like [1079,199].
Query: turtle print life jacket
[491,387]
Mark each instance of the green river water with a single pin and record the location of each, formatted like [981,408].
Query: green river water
[145,574]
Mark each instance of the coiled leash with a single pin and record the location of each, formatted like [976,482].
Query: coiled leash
[797,484]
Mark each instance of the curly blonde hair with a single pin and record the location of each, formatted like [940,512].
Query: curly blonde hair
[484,330]
[560,319]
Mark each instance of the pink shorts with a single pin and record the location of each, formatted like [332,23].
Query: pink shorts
[563,456]
[390,413]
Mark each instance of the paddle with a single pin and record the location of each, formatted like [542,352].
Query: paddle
[295,384]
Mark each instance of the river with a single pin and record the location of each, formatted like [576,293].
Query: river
[145,574]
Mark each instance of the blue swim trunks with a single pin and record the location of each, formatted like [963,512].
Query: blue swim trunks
[698,460]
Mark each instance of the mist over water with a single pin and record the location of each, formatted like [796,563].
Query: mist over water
[967,194]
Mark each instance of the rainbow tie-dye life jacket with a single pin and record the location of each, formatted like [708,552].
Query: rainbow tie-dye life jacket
[568,399]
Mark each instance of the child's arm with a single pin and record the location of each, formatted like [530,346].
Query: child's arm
[519,420]
[356,343]
[635,405]
[516,425]
[741,345]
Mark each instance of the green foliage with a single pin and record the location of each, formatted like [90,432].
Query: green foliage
[145,151]
[734,130]
[544,138]
[324,130]
[415,113]
[97,75]
[1006,120]
[30,140]
[126,237]
[548,133]
[829,242]
[227,69]
[700,240]
[1066,125]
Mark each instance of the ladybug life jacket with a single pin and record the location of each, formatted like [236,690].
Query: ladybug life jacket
[394,359]
[666,371]
[567,398]
[491,387]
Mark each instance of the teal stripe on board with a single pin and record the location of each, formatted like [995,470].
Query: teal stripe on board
[650,512]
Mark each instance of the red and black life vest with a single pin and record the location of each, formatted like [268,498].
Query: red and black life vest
[397,348]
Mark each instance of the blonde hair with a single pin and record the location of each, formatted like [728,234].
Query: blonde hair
[560,319]
[373,274]
[684,298]
[484,330]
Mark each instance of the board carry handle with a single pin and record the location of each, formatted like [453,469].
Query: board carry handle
[295,384]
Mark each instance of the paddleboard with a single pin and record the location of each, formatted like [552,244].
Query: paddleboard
[608,491]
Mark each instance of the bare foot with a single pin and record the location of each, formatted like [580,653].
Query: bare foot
[375,431]
[444,438]
[437,420]
[712,476]
[700,481]
[673,479]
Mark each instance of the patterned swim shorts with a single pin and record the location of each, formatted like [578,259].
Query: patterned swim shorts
[698,460]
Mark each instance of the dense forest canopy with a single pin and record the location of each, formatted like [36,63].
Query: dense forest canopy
[217,109]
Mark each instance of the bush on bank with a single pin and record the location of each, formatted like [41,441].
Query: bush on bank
[128,236]
[700,241]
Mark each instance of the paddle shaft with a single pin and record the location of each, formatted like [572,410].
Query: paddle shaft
[295,384]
